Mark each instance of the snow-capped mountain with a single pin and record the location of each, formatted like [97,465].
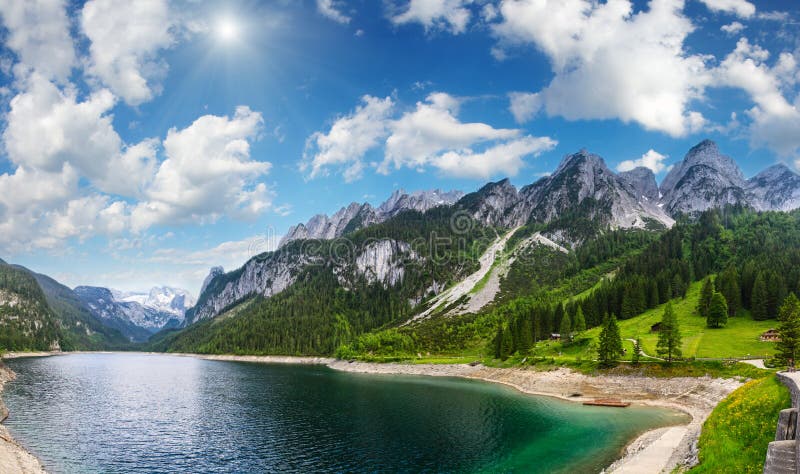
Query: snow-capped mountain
[137,315]
[357,216]
[160,298]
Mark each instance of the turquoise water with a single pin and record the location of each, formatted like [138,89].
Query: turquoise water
[121,413]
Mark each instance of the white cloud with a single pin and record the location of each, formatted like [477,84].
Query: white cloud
[450,15]
[524,105]
[420,135]
[47,127]
[774,119]
[428,135]
[207,173]
[652,159]
[732,28]
[349,138]
[505,158]
[126,38]
[741,8]
[331,10]
[610,62]
[39,35]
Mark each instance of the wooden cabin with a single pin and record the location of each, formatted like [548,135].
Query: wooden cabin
[771,335]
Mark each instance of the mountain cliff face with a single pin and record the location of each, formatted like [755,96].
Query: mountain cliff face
[137,316]
[704,179]
[642,182]
[776,188]
[358,216]
[584,184]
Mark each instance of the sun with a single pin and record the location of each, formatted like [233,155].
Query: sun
[227,30]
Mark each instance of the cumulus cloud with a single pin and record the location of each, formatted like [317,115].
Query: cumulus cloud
[652,159]
[331,10]
[609,62]
[448,15]
[126,38]
[47,127]
[428,135]
[419,136]
[505,158]
[774,119]
[524,105]
[732,28]
[741,8]
[207,173]
[38,32]
[70,166]
[349,138]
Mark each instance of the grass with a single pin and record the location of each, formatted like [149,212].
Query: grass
[738,339]
[740,428]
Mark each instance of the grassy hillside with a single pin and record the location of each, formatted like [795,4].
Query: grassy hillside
[738,339]
[740,428]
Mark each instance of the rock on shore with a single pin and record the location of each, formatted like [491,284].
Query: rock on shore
[14,459]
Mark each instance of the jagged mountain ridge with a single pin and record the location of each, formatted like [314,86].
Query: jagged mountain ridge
[582,186]
[136,315]
[359,215]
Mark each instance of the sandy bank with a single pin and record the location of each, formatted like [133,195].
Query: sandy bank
[14,459]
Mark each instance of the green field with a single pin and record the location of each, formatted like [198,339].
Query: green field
[739,339]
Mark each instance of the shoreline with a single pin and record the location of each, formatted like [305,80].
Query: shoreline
[658,450]
[14,458]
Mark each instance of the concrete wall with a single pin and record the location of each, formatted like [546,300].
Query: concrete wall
[783,453]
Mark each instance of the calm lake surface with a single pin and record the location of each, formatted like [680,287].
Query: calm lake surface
[120,413]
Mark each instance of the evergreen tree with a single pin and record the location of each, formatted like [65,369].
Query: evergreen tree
[669,335]
[498,342]
[758,300]
[706,293]
[789,329]
[525,338]
[566,328]
[776,293]
[678,286]
[747,281]
[637,351]
[579,324]
[610,347]
[506,344]
[718,312]
[728,285]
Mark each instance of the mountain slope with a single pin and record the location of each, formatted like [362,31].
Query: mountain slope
[81,329]
[134,320]
[26,322]
[775,188]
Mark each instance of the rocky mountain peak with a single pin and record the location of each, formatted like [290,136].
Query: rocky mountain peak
[705,178]
[642,181]
[215,271]
[777,187]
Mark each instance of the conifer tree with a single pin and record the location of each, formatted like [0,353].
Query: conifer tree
[669,335]
[579,323]
[566,328]
[706,293]
[637,351]
[610,345]
[717,312]
[758,299]
[789,330]
[728,285]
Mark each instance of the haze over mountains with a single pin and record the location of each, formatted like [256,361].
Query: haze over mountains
[580,199]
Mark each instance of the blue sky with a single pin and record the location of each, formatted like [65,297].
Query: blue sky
[144,142]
